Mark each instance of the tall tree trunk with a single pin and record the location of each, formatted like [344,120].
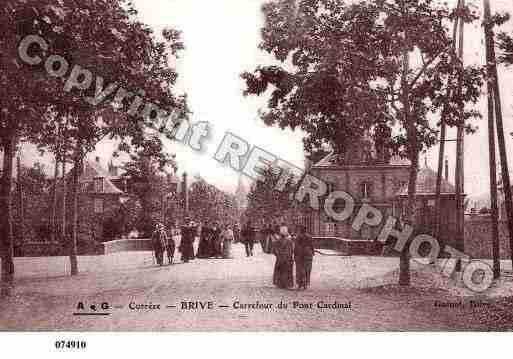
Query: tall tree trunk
[413,154]
[63,204]
[53,206]
[493,177]
[492,162]
[21,203]
[500,129]
[460,163]
[77,171]
[6,220]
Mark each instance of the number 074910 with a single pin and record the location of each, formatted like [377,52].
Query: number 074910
[70,344]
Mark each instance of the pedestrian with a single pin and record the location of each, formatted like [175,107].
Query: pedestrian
[249,238]
[262,235]
[236,233]
[170,245]
[227,237]
[187,242]
[217,241]
[158,241]
[283,248]
[303,256]
[204,246]
[268,232]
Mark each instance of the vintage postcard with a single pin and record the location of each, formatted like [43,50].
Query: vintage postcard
[256,166]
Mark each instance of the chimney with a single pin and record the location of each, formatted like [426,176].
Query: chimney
[446,169]
[113,170]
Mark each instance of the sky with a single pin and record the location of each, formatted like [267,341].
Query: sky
[221,39]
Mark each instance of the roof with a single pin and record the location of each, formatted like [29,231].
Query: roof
[426,184]
[335,160]
[92,170]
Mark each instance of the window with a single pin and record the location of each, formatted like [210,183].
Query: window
[366,189]
[331,187]
[98,205]
[330,228]
[98,185]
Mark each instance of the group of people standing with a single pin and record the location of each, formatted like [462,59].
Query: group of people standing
[215,241]
[291,249]
[162,243]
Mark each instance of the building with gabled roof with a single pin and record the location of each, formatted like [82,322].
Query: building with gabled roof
[101,196]
[373,177]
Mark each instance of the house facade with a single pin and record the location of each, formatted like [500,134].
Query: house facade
[373,177]
[105,191]
[100,198]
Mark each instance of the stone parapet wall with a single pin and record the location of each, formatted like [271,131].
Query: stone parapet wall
[90,249]
[347,246]
[478,238]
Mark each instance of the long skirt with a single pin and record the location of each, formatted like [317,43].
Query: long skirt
[204,249]
[218,247]
[170,249]
[159,255]
[303,270]
[187,250]
[268,244]
[227,249]
[283,276]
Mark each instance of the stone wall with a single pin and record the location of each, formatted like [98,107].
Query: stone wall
[41,249]
[347,246]
[127,245]
[478,238]
[89,249]
[478,241]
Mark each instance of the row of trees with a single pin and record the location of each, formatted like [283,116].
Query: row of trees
[147,178]
[207,203]
[343,68]
[104,37]
[266,203]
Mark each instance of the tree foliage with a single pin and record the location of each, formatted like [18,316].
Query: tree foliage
[207,203]
[146,174]
[349,67]
[266,202]
[105,38]
[340,64]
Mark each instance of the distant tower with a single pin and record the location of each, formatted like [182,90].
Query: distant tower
[241,197]
[186,193]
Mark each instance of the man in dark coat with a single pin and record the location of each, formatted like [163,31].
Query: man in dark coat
[170,245]
[303,256]
[159,242]
[249,239]
[217,241]
[236,233]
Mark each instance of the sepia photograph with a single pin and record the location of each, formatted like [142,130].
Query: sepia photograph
[261,166]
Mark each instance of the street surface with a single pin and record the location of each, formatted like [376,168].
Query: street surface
[46,297]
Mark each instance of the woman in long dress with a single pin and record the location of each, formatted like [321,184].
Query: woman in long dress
[227,236]
[204,247]
[283,249]
[216,241]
